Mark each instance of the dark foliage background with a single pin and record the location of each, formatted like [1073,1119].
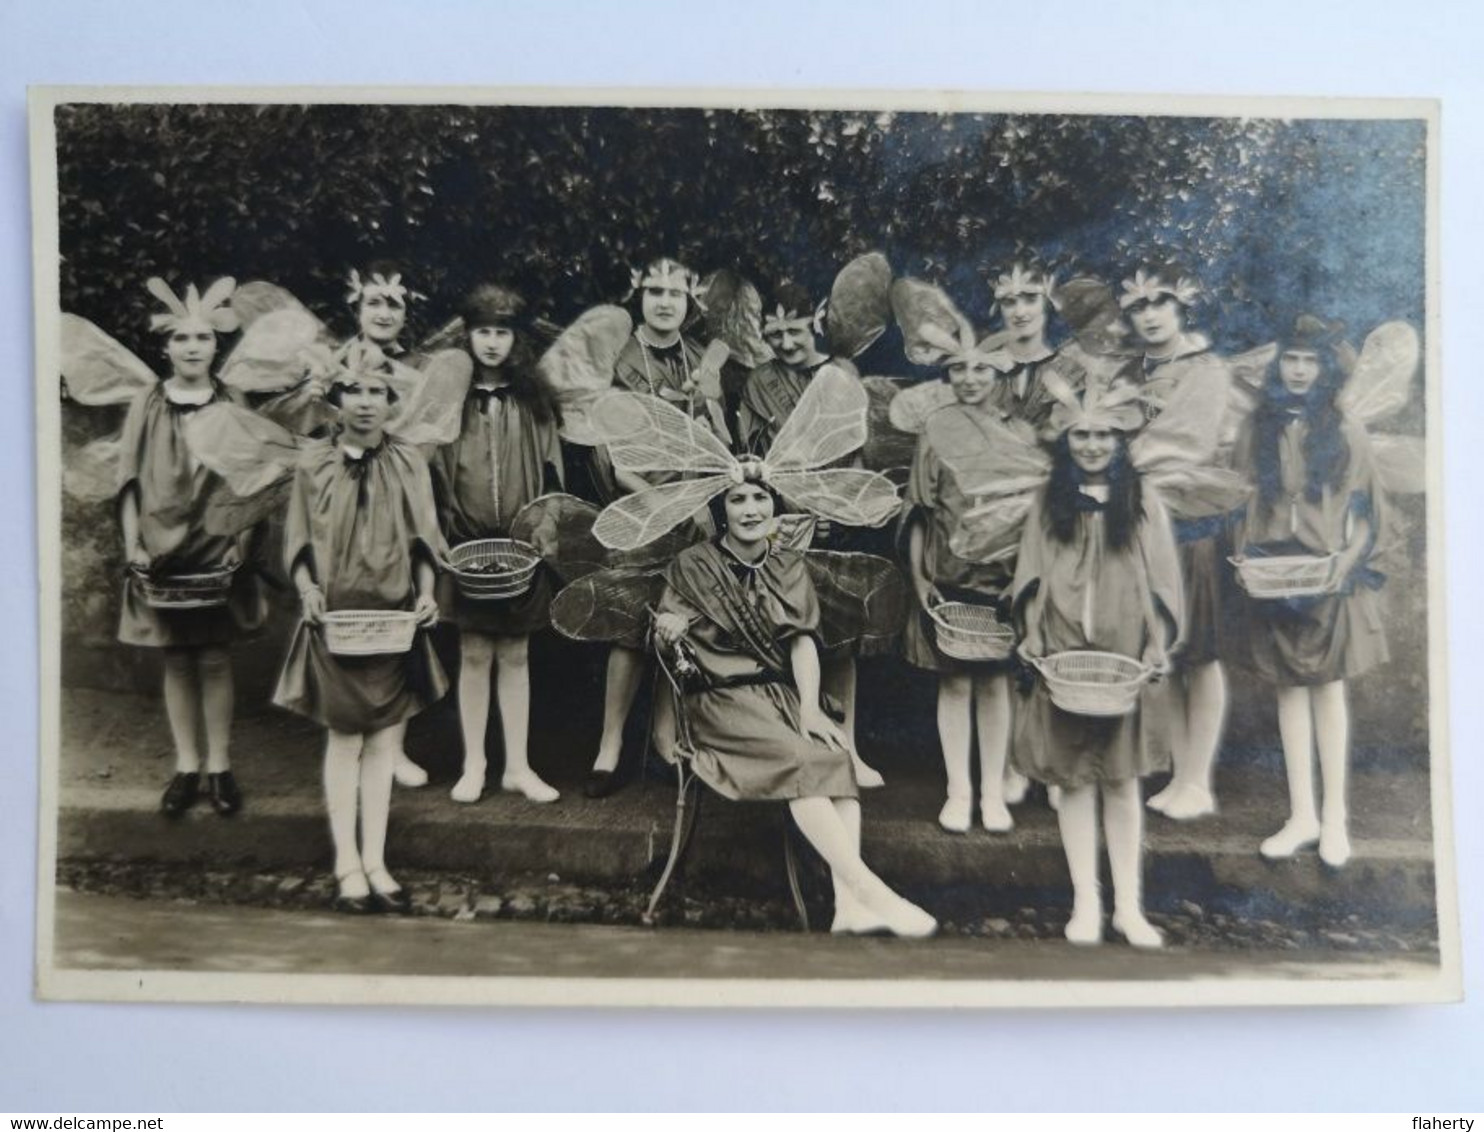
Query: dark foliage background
[1273,216]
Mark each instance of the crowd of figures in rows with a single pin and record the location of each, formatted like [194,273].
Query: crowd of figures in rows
[1074,535]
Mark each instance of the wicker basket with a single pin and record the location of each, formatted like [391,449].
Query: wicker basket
[369,632]
[1093,683]
[185,591]
[1283,576]
[494,569]
[971,632]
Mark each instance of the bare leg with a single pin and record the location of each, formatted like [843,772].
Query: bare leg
[1296,729]
[182,708]
[513,690]
[992,716]
[1123,822]
[1196,758]
[1332,729]
[377,758]
[476,658]
[955,733]
[342,783]
[625,671]
[214,666]
[1077,818]
[838,678]
[823,827]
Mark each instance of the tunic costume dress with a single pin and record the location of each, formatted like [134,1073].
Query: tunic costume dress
[504,458]
[172,489]
[1315,640]
[744,719]
[360,522]
[1086,595]
[1203,542]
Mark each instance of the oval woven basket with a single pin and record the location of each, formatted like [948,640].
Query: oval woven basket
[971,632]
[494,569]
[1281,576]
[369,632]
[185,591]
[1093,683]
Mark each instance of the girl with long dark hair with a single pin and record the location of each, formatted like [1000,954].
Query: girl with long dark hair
[1314,493]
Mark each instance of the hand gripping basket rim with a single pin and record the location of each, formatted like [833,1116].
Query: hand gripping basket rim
[995,640]
[1282,576]
[206,589]
[369,632]
[1098,697]
[520,558]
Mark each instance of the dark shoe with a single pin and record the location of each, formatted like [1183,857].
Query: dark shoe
[389,901]
[601,783]
[222,792]
[180,795]
[349,905]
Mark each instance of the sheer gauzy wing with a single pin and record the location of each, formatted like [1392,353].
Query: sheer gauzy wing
[999,466]
[96,369]
[1379,387]
[254,457]
[90,472]
[1174,454]
[578,368]
[433,413]
[277,349]
[932,327]
[910,409]
[733,315]
[863,600]
[828,423]
[860,305]
[645,434]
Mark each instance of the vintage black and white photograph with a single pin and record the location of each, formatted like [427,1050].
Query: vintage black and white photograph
[574,547]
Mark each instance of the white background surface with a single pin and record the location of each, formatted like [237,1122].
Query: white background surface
[60,1059]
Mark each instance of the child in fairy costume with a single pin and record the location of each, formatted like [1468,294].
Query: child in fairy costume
[507,454]
[162,493]
[1097,570]
[1317,491]
[361,534]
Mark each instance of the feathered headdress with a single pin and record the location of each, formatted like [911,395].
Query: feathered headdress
[209,311]
[1098,405]
[1147,287]
[668,273]
[645,434]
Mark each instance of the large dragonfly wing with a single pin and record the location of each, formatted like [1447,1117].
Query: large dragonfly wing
[97,369]
[863,599]
[910,409]
[828,423]
[276,350]
[1381,383]
[433,412]
[985,453]
[579,366]
[607,605]
[1190,424]
[1198,491]
[853,496]
[637,519]
[248,451]
[560,527]
[253,300]
[228,514]
[1401,462]
[860,305]
[645,434]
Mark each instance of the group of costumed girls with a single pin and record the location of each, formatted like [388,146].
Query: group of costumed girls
[1078,522]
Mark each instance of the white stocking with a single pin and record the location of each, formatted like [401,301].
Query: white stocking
[377,758]
[955,734]
[621,685]
[1332,728]
[992,716]
[342,784]
[214,667]
[476,657]
[1077,818]
[182,708]
[1123,820]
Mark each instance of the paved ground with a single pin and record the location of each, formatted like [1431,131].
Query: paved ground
[119,933]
